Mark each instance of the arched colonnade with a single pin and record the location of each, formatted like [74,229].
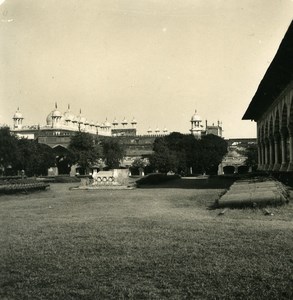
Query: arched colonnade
[275,136]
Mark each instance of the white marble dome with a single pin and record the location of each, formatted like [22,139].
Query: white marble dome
[196,117]
[17,115]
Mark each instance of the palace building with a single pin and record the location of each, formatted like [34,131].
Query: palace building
[272,109]
[60,127]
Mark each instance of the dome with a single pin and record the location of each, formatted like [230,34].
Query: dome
[107,124]
[196,117]
[124,122]
[53,114]
[49,119]
[80,119]
[115,122]
[17,115]
[133,121]
[68,116]
[97,124]
[56,113]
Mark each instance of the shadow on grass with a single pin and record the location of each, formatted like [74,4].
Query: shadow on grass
[192,183]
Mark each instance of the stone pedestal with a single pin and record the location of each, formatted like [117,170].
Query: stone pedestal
[284,167]
[276,167]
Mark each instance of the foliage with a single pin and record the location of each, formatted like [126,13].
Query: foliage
[113,153]
[84,150]
[34,158]
[252,156]
[180,153]
[8,148]
[24,154]
[163,159]
[213,149]
[139,163]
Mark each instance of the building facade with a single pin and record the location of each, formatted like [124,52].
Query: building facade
[60,127]
[272,109]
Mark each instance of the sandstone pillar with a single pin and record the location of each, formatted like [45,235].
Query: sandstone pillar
[290,165]
[284,164]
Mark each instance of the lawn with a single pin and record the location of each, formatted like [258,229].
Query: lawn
[157,242]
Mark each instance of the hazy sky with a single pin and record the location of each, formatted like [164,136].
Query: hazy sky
[155,60]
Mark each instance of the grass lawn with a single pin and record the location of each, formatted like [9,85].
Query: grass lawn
[147,243]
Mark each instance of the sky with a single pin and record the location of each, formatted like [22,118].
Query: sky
[155,60]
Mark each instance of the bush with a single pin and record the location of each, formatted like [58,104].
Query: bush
[156,178]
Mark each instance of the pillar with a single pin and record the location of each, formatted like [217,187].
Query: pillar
[271,154]
[277,163]
[284,164]
[266,155]
[290,165]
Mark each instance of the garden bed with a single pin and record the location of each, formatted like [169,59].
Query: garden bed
[21,185]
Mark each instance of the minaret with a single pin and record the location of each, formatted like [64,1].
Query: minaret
[56,117]
[115,123]
[124,122]
[17,119]
[133,123]
[196,127]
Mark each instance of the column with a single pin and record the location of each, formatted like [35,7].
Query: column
[271,154]
[290,165]
[259,156]
[262,155]
[284,164]
[266,148]
[277,164]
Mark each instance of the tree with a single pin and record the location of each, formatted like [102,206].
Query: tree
[84,150]
[163,159]
[212,150]
[180,153]
[113,153]
[138,166]
[8,148]
[252,156]
[34,158]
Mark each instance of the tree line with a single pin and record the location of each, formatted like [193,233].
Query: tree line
[35,159]
[179,153]
[184,154]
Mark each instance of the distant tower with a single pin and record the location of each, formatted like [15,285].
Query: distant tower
[107,126]
[133,123]
[56,117]
[196,127]
[124,122]
[115,123]
[149,131]
[17,119]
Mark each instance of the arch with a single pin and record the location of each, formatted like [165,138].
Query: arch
[266,131]
[63,163]
[290,120]
[229,169]
[284,117]
[271,127]
[243,169]
[277,122]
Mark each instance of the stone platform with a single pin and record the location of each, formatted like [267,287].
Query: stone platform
[255,192]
